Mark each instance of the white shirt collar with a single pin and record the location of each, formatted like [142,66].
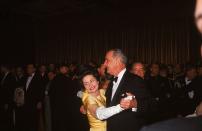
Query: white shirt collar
[32,75]
[187,81]
[120,75]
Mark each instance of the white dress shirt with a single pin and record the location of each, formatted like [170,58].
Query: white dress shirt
[2,81]
[190,93]
[116,84]
[29,79]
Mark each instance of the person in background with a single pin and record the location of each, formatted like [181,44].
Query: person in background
[183,124]
[47,108]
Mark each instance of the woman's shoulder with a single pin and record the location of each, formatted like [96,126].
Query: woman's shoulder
[88,98]
[102,91]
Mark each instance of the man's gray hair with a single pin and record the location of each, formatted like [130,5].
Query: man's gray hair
[118,53]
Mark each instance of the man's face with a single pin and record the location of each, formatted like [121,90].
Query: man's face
[110,63]
[138,69]
[101,70]
[155,69]
[51,75]
[191,74]
[42,69]
[30,69]
[64,70]
[198,15]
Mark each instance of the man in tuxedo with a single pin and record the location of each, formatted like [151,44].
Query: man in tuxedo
[33,96]
[132,118]
[62,101]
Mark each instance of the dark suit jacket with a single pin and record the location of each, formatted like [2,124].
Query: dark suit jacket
[178,124]
[7,89]
[35,92]
[62,103]
[128,120]
[32,96]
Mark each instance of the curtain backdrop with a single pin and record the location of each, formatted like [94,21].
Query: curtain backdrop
[167,42]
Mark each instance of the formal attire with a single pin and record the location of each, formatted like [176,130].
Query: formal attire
[185,92]
[7,87]
[160,90]
[178,124]
[47,108]
[127,120]
[62,102]
[100,101]
[33,94]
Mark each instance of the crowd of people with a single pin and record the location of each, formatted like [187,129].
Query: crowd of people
[46,97]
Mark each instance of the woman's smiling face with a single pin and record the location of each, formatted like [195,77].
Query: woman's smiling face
[90,83]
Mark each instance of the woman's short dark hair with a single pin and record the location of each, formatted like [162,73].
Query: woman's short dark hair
[94,73]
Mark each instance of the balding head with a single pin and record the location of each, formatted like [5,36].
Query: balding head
[115,61]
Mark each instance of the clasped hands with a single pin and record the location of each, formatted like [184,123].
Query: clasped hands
[126,103]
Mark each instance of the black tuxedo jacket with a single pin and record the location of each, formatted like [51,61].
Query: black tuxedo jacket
[178,124]
[34,92]
[128,120]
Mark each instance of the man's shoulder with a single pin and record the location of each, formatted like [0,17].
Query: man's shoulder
[133,78]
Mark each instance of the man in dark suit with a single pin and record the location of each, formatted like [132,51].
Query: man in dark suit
[132,118]
[7,87]
[62,101]
[33,96]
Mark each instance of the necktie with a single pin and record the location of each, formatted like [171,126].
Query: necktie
[115,79]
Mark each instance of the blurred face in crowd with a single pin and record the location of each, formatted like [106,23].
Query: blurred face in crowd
[163,73]
[30,69]
[154,69]
[177,68]
[112,63]
[51,75]
[72,67]
[51,67]
[90,83]
[101,70]
[64,70]
[19,71]
[138,69]
[42,69]
[191,74]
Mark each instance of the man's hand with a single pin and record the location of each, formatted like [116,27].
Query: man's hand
[128,103]
[83,110]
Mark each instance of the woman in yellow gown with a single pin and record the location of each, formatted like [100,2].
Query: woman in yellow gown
[94,101]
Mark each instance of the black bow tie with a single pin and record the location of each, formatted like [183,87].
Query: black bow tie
[115,79]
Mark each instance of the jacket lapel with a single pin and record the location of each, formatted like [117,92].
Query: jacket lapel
[108,94]
[119,89]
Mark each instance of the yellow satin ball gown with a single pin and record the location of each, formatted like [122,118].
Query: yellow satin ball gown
[87,99]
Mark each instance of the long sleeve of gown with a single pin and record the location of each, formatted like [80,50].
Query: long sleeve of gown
[103,113]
